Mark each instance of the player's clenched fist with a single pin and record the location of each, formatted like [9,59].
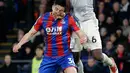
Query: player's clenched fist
[16,48]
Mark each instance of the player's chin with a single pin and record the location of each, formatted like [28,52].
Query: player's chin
[60,17]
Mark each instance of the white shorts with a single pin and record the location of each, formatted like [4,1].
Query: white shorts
[91,29]
[75,43]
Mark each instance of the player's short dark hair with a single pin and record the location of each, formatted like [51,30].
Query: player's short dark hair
[60,2]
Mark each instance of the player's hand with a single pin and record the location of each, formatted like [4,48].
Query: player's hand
[16,48]
[83,40]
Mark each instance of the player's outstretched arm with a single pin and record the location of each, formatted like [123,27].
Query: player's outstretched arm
[77,30]
[82,36]
[28,35]
[24,39]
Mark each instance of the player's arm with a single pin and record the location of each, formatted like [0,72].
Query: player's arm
[28,35]
[78,31]
[82,36]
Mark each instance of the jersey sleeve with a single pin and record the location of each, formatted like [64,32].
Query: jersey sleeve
[72,24]
[38,23]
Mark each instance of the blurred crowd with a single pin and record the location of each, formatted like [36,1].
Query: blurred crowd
[15,14]
[114,27]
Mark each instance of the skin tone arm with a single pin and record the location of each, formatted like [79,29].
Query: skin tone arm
[31,32]
[78,31]
[82,36]
[25,39]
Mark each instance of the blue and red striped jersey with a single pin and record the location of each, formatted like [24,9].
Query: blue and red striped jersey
[57,33]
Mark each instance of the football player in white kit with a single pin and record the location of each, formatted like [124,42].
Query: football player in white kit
[83,10]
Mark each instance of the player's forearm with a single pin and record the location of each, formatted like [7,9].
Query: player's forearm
[27,36]
[25,39]
[80,33]
[82,36]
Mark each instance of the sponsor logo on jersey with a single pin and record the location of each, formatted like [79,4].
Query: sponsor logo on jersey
[54,30]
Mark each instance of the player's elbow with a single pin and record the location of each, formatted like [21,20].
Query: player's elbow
[31,33]
[78,32]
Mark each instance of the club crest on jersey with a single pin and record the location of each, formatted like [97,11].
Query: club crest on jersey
[62,22]
[54,30]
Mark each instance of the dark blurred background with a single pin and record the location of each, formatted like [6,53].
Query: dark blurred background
[18,16]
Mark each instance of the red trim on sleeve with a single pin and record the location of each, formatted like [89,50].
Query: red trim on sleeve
[38,23]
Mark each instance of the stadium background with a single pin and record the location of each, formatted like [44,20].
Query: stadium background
[17,17]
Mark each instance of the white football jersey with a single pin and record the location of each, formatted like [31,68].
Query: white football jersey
[83,9]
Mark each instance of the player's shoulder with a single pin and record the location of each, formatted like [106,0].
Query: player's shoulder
[45,16]
[69,15]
